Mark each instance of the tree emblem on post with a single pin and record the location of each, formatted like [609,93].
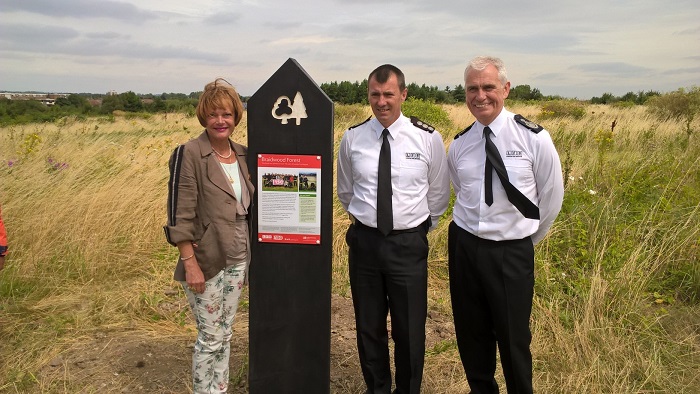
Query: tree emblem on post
[282,111]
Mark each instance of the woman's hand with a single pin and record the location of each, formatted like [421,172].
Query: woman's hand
[194,276]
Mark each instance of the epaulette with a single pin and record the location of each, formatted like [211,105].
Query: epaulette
[464,131]
[532,126]
[360,124]
[422,125]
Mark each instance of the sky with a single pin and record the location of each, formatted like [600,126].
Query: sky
[577,49]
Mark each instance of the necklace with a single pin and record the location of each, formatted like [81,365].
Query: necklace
[228,174]
[230,152]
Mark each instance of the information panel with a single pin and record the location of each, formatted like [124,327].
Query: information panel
[289,203]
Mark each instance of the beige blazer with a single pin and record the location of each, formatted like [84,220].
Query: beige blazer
[203,209]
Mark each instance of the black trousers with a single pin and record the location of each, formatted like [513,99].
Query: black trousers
[389,274]
[491,286]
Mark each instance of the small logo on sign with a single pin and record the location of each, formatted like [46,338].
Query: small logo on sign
[284,109]
[514,153]
[412,156]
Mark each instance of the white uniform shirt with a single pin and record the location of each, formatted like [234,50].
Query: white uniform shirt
[419,178]
[533,167]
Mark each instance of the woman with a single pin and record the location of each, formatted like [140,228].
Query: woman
[209,194]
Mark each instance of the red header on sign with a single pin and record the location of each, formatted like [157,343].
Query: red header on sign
[296,161]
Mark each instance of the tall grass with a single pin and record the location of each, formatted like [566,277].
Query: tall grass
[617,305]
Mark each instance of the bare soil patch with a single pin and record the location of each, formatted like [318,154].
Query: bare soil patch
[119,363]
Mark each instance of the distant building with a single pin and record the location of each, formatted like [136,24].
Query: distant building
[47,99]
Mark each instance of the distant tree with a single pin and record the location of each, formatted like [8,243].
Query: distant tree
[682,105]
[23,111]
[606,98]
[111,103]
[629,96]
[416,91]
[642,96]
[458,94]
[132,102]
[158,105]
[74,103]
[524,93]
[361,94]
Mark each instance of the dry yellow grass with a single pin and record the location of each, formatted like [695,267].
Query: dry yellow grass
[88,253]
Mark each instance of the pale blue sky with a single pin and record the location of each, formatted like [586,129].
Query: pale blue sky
[568,48]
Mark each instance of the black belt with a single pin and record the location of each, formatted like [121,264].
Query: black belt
[425,225]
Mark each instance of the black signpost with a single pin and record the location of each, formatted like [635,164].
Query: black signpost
[290,157]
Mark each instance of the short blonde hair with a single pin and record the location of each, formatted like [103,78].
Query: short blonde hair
[219,94]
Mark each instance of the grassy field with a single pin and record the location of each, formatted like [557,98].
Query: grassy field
[617,305]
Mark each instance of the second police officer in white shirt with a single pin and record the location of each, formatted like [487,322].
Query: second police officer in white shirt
[388,272]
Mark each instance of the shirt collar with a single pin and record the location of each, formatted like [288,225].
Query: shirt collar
[394,128]
[497,125]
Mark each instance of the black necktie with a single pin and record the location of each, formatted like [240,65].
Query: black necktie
[494,161]
[385,216]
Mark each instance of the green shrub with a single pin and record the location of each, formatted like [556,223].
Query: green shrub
[680,105]
[428,112]
[562,108]
[623,104]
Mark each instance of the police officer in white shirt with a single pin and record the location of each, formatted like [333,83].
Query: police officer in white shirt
[388,251]
[509,190]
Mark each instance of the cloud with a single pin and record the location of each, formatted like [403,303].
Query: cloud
[532,43]
[223,18]
[686,70]
[687,32]
[70,42]
[81,9]
[303,40]
[612,69]
[17,36]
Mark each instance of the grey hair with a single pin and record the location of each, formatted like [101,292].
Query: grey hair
[479,63]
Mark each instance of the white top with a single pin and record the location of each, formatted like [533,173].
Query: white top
[419,178]
[533,168]
[232,175]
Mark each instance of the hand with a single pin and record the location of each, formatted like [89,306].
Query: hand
[434,224]
[194,276]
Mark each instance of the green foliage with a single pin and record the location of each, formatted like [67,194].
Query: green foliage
[447,345]
[127,101]
[346,92]
[562,108]
[623,104]
[605,141]
[132,102]
[640,97]
[525,93]
[682,105]
[459,94]
[428,112]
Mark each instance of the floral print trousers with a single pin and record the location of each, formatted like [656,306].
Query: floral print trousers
[213,312]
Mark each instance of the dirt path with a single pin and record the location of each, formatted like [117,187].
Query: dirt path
[123,365]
